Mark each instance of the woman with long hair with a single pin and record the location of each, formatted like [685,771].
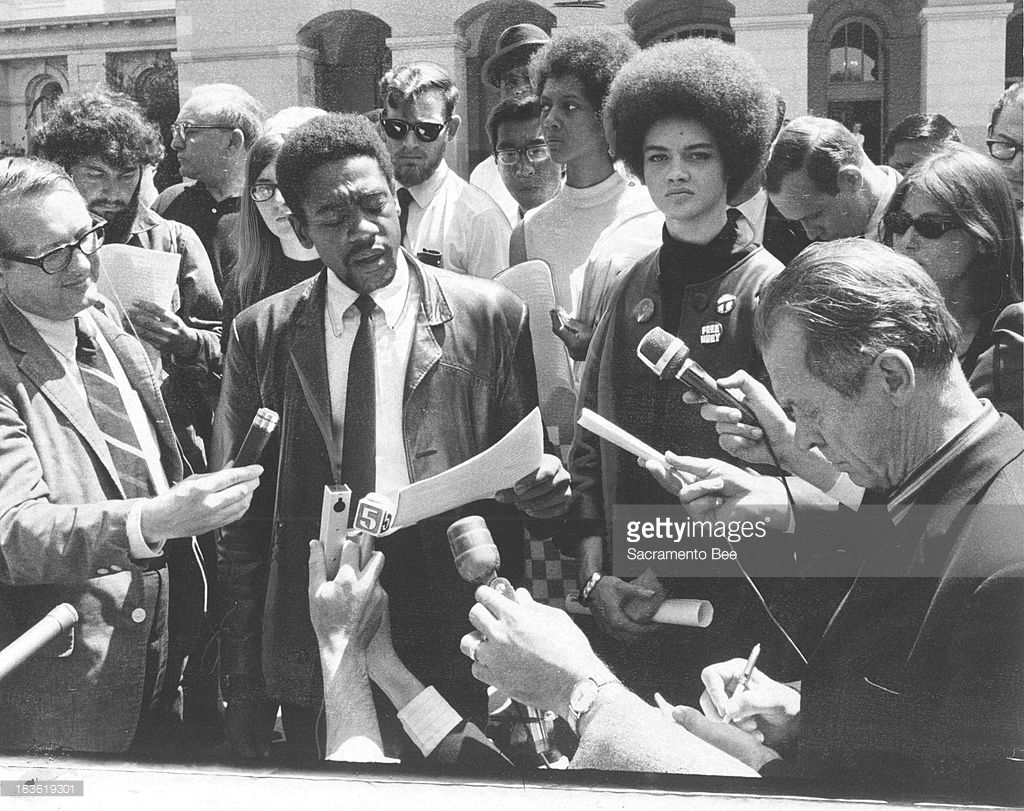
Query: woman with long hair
[954,214]
[270,256]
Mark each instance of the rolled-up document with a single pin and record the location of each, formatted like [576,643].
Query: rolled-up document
[609,431]
[692,613]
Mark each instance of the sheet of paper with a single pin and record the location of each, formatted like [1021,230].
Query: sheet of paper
[128,273]
[503,464]
[556,386]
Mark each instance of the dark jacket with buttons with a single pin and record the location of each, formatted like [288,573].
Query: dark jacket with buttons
[63,538]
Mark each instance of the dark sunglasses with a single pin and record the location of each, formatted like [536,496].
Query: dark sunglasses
[930,226]
[426,131]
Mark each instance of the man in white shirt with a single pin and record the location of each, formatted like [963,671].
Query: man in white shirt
[444,221]
[90,487]
[390,373]
[507,70]
[819,176]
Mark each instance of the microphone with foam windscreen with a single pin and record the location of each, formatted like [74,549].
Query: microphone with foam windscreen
[58,621]
[668,357]
[476,557]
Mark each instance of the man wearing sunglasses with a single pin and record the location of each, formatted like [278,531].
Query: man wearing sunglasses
[819,176]
[522,156]
[212,135]
[92,502]
[444,220]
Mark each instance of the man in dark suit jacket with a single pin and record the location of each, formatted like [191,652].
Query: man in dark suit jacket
[917,676]
[386,372]
[90,486]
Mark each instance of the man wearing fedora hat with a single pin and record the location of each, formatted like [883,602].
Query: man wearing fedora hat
[507,70]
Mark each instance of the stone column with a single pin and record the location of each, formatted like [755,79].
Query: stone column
[774,32]
[450,53]
[963,53]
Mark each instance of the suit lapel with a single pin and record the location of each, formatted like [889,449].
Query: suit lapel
[308,351]
[40,365]
[433,311]
[142,378]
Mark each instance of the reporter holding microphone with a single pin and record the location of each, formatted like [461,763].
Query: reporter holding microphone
[93,494]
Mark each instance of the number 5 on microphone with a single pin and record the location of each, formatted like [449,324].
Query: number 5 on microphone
[374,514]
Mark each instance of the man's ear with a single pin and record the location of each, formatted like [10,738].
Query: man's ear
[237,139]
[850,180]
[453,127]
[895,372]
[299,227]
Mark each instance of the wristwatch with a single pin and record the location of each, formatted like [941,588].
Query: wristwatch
[582,698]
[589,587]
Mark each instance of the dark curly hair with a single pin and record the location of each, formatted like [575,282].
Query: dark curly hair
[704,80]
[322,140]
[105,125]
[592,55]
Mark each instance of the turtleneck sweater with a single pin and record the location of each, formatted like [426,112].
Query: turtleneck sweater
[563,231]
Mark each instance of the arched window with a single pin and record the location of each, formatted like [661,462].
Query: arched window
[708,30]
[856,79]
[1015,48]
[854,54]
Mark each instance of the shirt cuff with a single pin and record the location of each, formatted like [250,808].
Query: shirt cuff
[846,492]
[138,546]
[427,719]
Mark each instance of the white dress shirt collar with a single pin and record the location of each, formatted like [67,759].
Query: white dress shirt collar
[391,298]
[425,191]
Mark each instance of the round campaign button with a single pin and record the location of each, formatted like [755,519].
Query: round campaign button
[139,615]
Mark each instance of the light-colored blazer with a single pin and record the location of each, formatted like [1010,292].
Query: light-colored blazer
[63,538]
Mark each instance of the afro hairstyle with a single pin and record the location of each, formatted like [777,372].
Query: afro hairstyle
[105,125]
[591,55]
[322,140]
[704,80]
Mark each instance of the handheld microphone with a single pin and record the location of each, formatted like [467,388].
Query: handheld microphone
[58,621]
[667,356]
[263,425]
[476,557]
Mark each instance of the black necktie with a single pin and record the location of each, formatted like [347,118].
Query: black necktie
[109,411]
[359,446]
[404,200]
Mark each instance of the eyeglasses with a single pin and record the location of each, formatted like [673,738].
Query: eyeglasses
[59,258]
[930,226]
[426,131]
[1003,150]
[261,192]
[183,129]
[534,154]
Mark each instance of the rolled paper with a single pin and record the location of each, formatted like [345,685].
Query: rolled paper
[692,613]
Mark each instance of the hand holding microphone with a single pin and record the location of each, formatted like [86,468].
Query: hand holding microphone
[668,357]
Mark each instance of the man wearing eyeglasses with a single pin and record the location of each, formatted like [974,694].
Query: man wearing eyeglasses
[444,220]
[92,500]
[507,70]
[103,142]
[212,135]
[819,176]
[522,155]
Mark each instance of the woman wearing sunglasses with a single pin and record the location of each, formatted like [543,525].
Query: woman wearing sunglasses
[954,214]
[270,257]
